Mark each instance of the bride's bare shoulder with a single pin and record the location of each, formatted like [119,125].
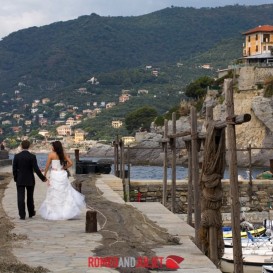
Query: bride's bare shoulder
[52,155]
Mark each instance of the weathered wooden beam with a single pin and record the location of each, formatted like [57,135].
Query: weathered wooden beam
[173,146]
[195,175]
[165,164]
[190,187]
[179,134]
[200,135]
[236,120]
[233,176]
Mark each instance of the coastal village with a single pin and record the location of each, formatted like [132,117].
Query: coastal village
[68,117]
[186,243]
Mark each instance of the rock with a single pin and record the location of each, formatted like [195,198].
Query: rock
[263,109]
[100,150]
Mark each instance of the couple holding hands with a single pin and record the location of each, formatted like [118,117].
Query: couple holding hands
[62,201]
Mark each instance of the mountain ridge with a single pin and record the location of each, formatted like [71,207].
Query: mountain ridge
[63,52]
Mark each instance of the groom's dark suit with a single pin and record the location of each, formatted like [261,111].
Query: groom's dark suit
[23,167]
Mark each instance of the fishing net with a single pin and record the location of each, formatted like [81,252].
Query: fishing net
[211,188]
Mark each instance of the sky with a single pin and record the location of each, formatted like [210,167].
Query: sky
[20,14]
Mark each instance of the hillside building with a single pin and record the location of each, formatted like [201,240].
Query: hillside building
[44,133]
[110,105]
[45,100]
[124,98]
[128,140]
[71,121]
[116,123]
[28,122]
[79,136]
[64,130]
[258,45]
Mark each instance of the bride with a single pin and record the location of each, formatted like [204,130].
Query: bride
[62,201]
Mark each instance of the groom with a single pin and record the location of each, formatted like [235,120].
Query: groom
[24,165]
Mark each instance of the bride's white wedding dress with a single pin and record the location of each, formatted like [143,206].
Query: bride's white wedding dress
[62,200]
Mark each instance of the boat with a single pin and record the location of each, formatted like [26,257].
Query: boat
[253,260]
[262,241]
[267,269]
[255,232]
[255,241]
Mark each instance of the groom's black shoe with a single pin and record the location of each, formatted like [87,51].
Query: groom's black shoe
[22,218]
[33,214]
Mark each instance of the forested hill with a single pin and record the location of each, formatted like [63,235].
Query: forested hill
[62,53]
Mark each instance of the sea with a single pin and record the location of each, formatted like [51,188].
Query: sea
[154,172]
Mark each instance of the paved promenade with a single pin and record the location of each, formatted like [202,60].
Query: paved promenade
[63,246]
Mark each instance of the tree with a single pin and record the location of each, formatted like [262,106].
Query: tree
[175,109]
[140,119]
[198,88]
[159,121]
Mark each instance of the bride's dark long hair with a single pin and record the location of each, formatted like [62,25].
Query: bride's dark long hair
[58,148]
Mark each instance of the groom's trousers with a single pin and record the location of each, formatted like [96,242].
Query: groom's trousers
[21,200]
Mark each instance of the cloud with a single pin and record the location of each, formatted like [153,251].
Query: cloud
[19,14]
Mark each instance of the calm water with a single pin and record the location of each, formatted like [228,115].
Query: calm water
[154,172]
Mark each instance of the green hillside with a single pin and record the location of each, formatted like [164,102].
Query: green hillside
[57,60]
[54,56]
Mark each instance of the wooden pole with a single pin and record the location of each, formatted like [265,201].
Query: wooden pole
[120,159]
[91,221]
[116,156]
[78,186]
[190,191]
[233,174]
[122,171]
[250,184]
[125,179]
[129,165]
[165,164]
[77,155]
[195,175]
[213,248]
[173,162]
[213,237]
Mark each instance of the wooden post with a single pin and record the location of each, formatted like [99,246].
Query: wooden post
[128,165]
[233,174]
[120,159]
[78,186]
[213,248]
[250,184]
[122,169]
[124,178]
[173,146]
[213,238]
[190,191]
[77,155]
[91,221]
[195,175]
[165,164]
[116,157]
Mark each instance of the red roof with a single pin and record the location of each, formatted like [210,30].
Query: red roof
[264,28]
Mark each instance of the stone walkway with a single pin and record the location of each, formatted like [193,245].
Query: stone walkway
[63,246]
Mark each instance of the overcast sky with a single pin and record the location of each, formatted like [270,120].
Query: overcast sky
[19,14]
